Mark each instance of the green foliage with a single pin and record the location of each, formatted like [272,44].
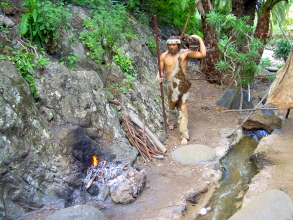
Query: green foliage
[175,13]
[43,21]
[70,61]
[123,87]
[282,50]
[222,65]
[4,5]
[106,28]
[42,61]
[238,48]
[3,57]
[88,3]
[271,77]
[125,64]
[25,62]
[265,62]
[152,46]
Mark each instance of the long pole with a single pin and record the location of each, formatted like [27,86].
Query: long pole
[160,74]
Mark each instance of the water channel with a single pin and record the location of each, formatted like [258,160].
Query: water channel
[237,173]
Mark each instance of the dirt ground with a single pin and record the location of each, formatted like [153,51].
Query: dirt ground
[168,182]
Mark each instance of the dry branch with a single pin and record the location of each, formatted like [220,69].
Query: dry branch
[140,136]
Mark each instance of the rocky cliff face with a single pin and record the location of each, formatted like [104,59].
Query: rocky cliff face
[46,144]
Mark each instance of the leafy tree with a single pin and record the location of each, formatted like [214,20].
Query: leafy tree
[231,32]
[174,13]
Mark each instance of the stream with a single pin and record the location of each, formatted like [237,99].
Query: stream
[237,173]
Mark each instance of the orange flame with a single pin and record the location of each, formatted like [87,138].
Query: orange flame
[95,161]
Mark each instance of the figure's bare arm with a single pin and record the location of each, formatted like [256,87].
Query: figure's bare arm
[162,66]
[202,51]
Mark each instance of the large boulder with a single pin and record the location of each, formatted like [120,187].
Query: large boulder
[85,212]
[269,205]
[128,190]
[258,121]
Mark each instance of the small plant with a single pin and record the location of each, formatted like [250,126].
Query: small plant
[265,62]
[25,61]
[125,64]
[271,77]
[152,46]
[44,21]
[282,50]
[123,87]
[3,57]
[4,5]
[70,61]
[42,61]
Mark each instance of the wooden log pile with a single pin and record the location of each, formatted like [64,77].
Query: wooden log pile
[140,136]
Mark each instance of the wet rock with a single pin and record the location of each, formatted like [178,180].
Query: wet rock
[260,121]
[194,154]
[78,212]
[269,205]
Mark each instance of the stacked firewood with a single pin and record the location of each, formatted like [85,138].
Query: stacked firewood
[140,137]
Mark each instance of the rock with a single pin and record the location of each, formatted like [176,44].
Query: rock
[6,22]
[269,205]
[272,68]
[127,191]
[85,212]
[225,100]
[194,154]
[261,121]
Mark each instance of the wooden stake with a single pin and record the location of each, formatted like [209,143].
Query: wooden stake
[160,74]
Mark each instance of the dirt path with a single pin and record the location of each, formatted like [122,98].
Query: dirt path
[169,183]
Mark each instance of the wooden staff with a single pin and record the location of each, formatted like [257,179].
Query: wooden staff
[160,74]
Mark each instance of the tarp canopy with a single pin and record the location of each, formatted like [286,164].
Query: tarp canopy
[281,91]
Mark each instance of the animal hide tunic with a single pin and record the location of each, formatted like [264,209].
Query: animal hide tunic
[178,85]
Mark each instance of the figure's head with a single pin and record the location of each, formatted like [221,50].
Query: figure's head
[173,43]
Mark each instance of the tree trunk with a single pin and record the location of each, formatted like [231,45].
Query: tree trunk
[249,10]
[211,41]
[238,8]
[263,22]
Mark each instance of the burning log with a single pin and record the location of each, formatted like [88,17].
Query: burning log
[88,185]
[140,136]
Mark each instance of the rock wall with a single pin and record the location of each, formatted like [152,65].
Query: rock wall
[46,144]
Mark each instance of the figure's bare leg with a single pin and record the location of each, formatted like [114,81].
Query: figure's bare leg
[183,123]
[172,116]
[184,141]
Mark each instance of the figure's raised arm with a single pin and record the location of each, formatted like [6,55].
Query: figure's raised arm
[202,49]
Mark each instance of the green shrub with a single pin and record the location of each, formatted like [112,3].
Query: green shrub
[282,50]
[44,21]
[106,28]
[25,61]
[238,48]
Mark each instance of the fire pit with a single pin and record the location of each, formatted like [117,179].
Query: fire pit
[123,182]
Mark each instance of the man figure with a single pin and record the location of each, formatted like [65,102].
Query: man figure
[174,61]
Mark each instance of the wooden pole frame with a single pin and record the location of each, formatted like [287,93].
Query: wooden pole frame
[160,74]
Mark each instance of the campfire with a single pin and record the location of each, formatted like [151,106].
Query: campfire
[104,178]
[103,172]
